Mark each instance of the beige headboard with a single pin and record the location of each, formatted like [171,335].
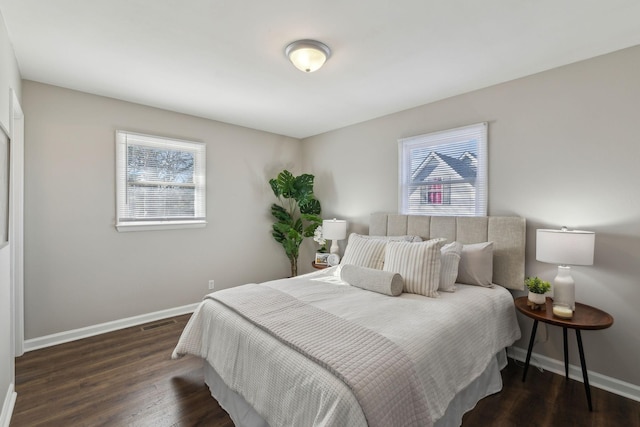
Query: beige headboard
[506,232]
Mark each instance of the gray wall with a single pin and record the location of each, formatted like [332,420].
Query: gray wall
[9,79]
[79,271]
[563,150]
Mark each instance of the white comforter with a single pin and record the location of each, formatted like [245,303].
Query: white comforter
[451,340]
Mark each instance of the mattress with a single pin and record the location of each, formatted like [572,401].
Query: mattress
[452,341]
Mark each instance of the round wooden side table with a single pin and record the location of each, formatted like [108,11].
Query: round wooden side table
[585,317]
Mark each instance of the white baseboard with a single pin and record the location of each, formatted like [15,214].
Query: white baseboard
[7,406]
[89,331]
[604,382]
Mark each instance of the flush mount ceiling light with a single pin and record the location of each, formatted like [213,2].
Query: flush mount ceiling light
[307,55]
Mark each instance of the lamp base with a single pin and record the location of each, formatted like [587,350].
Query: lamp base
[335,249]
[564,288]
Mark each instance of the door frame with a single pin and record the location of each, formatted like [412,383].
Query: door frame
[16,223]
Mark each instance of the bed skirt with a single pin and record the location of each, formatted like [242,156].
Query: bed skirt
[243,415]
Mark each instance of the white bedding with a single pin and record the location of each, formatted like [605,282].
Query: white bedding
[451,340]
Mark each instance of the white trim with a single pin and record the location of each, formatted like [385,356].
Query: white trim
[169,225]
[7,407]
[89,331]
[16,232]
[613,385]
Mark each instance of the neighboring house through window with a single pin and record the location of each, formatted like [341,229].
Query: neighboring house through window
[436,193]
[444,173]
[160,182]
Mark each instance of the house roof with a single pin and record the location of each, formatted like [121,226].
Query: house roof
[460,167]
[224,60]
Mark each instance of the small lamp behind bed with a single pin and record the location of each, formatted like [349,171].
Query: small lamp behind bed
[565,248]
[334,230]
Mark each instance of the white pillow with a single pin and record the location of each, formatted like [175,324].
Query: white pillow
[417,263]
[449,261]
[476,264]
[364,252]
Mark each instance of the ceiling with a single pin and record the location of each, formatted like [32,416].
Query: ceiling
[224,59]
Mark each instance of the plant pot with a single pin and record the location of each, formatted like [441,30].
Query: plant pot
[539,299]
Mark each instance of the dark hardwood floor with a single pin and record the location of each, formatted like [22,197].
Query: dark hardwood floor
[126,378]
[547,399]
[123,378]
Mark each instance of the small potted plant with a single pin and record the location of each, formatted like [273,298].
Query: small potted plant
[537,288]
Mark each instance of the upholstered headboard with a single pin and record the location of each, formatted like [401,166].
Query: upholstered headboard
[507,234]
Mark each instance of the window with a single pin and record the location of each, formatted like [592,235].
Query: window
[160,183]
[436,193]
[444,173]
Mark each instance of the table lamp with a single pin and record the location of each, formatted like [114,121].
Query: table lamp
[334,230]
[565,248]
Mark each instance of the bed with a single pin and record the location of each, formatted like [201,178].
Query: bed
[346,356]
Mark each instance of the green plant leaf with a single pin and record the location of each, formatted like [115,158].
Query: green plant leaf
[281,214]
[277,234]
[313,221]
[274,186]
[309,230]
[295,237]
[291,243]
[537,285]
[316,219]
[310,207]
[286,184]
[282,228]
[303,187]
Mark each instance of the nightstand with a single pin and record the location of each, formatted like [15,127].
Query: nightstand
[318,266]
[585,317]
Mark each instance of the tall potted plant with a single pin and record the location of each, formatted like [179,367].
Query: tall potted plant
[298,214]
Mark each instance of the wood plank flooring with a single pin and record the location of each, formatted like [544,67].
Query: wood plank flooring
[126,378]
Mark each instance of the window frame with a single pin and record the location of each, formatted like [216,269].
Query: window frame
[123,140]
[449,137]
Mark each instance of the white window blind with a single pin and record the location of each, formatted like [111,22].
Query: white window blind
[444,173]
[160,182]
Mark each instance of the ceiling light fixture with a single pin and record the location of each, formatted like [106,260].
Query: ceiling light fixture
[307,55]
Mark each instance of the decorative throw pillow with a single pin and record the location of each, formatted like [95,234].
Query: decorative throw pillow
[364,252]
[450,259]
[417,263]
[476,264]
[383,282]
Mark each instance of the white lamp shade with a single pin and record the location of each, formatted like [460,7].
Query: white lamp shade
[565,247]
[334,229]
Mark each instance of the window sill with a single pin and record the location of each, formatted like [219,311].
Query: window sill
[150,226]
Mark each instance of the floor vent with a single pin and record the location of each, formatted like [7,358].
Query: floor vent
[158,325]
